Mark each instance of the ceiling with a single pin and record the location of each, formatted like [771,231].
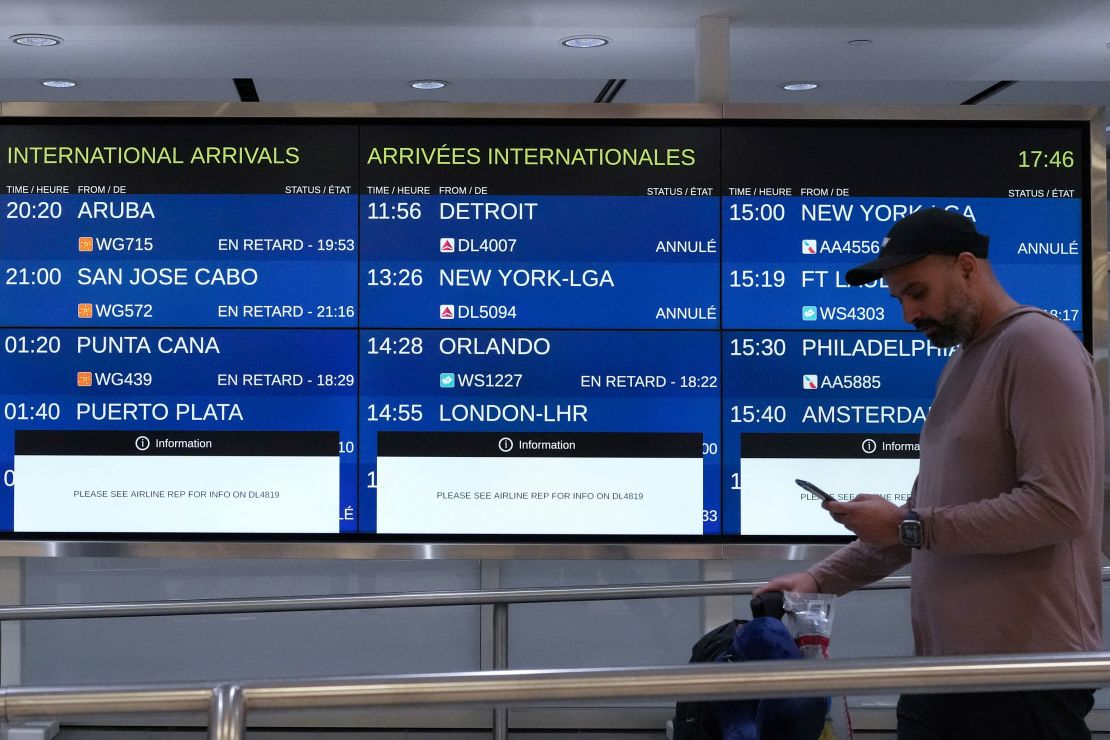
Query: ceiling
[502,51]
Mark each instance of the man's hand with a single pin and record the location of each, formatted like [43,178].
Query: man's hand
[802,583]
[873,519]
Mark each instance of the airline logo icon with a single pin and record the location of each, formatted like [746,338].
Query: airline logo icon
[84,379]
[446,380]
[809,313]
[809,382]
[84,310]
[446,311]
[447,245]
[809,246]
[84,244]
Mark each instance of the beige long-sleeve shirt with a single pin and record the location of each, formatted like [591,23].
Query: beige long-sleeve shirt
[1010,492]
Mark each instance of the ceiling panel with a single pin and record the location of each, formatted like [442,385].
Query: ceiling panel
[357,90]
[502,51]
[1053,93]
[140,89]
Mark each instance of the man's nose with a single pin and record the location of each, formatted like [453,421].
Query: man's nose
[910,312]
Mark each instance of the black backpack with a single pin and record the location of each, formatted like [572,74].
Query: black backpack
[693,720]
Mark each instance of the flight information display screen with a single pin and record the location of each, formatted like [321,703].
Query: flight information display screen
[406,329]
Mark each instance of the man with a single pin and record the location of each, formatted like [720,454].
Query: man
[1004,521]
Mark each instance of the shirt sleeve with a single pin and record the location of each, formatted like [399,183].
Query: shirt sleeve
[857,565]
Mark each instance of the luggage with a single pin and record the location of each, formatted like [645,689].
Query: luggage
[694,720]
[765,637]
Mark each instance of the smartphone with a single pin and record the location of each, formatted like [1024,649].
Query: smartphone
[814,489]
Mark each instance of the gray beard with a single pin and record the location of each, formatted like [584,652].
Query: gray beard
[958,327]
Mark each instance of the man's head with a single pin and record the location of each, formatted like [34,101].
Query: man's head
[924,232]
[940,296]
[934,262]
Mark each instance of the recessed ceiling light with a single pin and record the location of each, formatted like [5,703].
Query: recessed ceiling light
[36,39]
[428,84]
[59,83]
[796,86]
[584,42]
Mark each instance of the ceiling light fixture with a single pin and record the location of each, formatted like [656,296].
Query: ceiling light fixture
[798,86]
[428,84]
[36,39]
[584,42]
[860,42]
[59,83]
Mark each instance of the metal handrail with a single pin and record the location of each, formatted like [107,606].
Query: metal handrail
[222,700]
[752,680]
[397,600]
[410,599]
[227,704]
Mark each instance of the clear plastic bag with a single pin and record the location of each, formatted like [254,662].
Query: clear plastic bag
[809,617]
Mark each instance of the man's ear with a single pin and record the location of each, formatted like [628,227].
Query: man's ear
[968,264]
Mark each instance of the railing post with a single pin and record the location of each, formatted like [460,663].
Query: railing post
[226,713]
[500,663]
[11,592]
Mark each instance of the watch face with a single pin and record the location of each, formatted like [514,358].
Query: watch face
[911,533]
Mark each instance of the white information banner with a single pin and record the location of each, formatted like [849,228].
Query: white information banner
[176,494]
[540,495]
[177,482]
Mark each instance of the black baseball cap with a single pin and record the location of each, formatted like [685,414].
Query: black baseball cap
[924,232]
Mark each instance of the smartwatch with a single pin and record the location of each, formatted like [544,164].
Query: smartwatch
[912,531]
